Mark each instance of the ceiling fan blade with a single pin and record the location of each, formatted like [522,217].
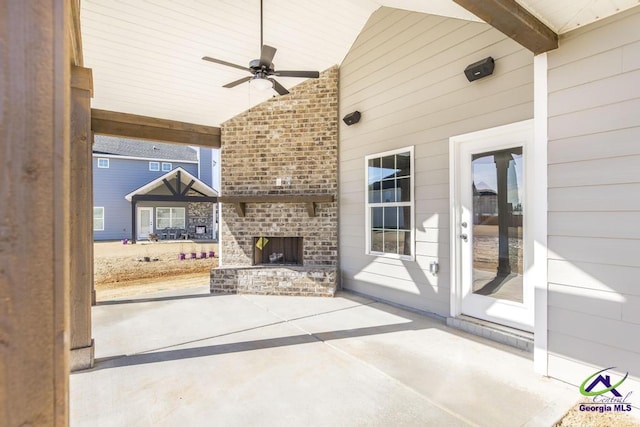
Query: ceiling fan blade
[238,82]
[267,54]
[278,87]
[228,64]
[305,74]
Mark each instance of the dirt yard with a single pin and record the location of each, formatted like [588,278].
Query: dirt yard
[122,270]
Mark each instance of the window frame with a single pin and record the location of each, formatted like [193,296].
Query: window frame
[171,225]
[157,164]
[100,159]
[163,169]
[94,218]
[411,204]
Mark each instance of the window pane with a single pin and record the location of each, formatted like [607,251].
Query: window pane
[404,243]
[391,218]
[163,218]
[390,242]
[374,193]
[375,171]
[403,164]
[388,166]
[388,191]
[376,241]
[404,218]
[376,218]
[98,224]
[404,189]
[177,217]
[154,166]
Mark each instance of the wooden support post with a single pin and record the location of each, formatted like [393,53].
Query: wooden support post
[81,221]
[134,232]
[34,212]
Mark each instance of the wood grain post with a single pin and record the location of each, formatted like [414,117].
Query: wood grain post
[81,223]
[34,212]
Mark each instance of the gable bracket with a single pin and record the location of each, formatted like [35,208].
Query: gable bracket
[170,187]
[187,188]
[515,21]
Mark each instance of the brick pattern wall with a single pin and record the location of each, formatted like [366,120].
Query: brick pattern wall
[294,138]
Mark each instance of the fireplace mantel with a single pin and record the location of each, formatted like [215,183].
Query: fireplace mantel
[310,200]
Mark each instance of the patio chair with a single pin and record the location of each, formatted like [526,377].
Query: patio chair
[164,233]
[173,233]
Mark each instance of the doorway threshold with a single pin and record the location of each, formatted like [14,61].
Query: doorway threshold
[517,338]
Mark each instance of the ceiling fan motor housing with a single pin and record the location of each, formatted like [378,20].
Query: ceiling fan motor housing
[258,66]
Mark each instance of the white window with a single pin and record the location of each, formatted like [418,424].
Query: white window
[170,218]
[98,218]
[103,163]
[389,204]
[154,166]
[166,167]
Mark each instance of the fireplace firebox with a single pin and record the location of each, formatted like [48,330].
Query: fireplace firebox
[277,251]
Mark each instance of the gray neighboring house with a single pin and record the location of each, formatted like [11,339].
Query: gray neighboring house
[144,187]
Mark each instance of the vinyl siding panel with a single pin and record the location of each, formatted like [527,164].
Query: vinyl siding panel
[405,75]
[594,207]
[110,185]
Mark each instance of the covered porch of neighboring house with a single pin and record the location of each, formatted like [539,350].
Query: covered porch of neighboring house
[176,205]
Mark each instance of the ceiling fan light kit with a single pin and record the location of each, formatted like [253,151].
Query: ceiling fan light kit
[262,69]
[261,83]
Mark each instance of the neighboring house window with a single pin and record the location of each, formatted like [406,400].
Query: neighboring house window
[166,167]
[103,163]
[154,166]
[389,215]
[98,219]
[170,217]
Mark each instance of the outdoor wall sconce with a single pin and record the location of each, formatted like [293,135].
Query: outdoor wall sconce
[480,69]
[352,118]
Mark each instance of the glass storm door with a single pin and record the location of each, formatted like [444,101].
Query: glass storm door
[145,222]
[491,238]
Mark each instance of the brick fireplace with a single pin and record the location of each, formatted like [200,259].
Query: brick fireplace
[278,226]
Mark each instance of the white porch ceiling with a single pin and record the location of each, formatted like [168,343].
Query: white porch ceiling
[145,54]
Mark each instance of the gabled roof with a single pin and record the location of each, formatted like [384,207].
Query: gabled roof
[144,149]
[185,179]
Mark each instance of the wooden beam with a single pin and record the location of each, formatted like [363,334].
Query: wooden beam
[278,198]
[169,186]
[169,198]
[515,21]
[150,128]
[188,187]
[309,201]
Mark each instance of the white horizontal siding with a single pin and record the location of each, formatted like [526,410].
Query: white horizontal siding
[405,75]
[594,202]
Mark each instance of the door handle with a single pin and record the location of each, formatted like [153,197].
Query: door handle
[464,237]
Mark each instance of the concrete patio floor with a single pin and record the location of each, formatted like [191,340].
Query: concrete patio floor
[188,358]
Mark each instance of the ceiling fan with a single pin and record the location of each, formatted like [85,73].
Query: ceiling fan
[262,69]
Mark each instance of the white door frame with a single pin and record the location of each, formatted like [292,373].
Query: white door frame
[139,224]
[518,134]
